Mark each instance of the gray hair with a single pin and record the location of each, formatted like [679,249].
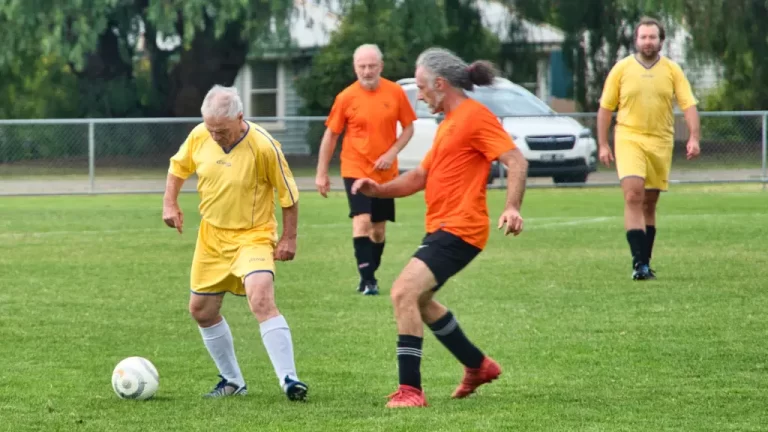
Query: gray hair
[439,62]
[373,47]
[222,102]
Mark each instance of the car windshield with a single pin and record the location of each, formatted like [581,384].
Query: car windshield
[508,102]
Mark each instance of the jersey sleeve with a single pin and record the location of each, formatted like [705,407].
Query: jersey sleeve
[279,174]
[182,165]
[683,91]
[489,136]
[407,115]
[610,98]
[336,119]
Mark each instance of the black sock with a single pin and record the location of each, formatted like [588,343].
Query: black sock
[650,233]
[447,331]
[378,251]
[409,360]
[638,245]
[364,255]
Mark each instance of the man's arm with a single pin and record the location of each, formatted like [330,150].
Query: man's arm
[327,146]
[173,186]
[402,186]
[603,126]
[517,174]
[691,115]
[290,222]
[172,215]
[403,139]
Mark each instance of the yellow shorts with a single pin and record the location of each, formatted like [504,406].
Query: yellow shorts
[646,157]
[223,258]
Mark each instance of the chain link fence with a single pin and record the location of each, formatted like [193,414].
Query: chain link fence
[87,156]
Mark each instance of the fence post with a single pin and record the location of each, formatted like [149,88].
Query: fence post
[91,155]
[765,150]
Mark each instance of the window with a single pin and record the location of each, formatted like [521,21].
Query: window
[266,91]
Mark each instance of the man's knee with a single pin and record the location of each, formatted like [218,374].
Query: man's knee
[650,199]
[259,287]
[205,309]
[361,225]
[634,192]
[413,286]
[379,232]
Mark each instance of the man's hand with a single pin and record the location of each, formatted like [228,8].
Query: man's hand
[286,249]
[386,160]
[172,215]
[323,184]
[366,187]
[693,148]
[605,155]
[513,221]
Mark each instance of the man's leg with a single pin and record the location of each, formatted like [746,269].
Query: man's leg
[445,255]
[378,239]
[632,168]
[479,369]
[414,281]
[634,224]
[209,281]
[382,210]
[259,287]
[649,213]
[360,212]
[364,253]
[217,337]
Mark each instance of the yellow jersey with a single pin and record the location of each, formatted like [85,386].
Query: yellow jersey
[237,188]
[644,96]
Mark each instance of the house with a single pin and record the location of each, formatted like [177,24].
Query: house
[266,82]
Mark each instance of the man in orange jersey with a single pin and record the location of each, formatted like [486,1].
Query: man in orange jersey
[453,175]
[643,87]
[369,109]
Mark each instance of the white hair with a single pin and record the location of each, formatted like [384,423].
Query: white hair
[222,102]
[373,47]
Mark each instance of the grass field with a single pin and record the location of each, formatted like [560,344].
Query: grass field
[87,281]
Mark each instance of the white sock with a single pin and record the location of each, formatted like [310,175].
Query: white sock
[218,340]
[277,340]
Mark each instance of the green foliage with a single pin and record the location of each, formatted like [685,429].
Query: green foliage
[402,29]
[98,40]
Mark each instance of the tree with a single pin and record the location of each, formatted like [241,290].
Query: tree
[189,46]
[733,33]
[598,32]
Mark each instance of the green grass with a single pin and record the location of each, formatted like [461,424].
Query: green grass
[87,281]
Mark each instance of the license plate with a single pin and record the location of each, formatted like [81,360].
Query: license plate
[552,157]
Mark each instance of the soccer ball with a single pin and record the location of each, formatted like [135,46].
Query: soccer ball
[135,378]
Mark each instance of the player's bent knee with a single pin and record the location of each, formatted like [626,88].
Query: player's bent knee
[205,309]
[259,288]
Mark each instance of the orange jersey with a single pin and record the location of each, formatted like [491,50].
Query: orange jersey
[370,118]
[457,166]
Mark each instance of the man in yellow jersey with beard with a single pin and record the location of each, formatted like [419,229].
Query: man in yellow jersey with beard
[239,166]
[643,87]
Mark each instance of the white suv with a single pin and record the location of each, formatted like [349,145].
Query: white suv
[555,146]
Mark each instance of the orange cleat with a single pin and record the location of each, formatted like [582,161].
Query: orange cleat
[488,371]
[407,397]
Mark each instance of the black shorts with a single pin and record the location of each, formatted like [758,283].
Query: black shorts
[380,209]
[445,254]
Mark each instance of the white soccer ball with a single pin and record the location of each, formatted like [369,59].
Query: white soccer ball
[135,378]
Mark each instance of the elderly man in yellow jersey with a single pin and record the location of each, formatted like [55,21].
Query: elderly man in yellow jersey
[643,87]
[239,166]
